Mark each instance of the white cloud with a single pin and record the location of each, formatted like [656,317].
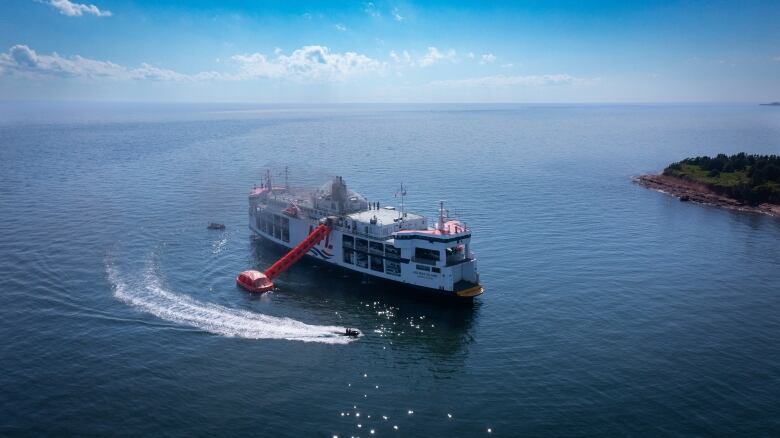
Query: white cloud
[403,58]
[313,63]
[507,65]
[307,63]
[470,55]
[66,7]
[433,55]
[22,60]
[370,9]
[488,58]
[396,15]
[341,27]
[509,81]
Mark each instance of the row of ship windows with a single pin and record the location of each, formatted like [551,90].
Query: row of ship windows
[274,225]
[374,262]
[372,247]
[427,256]
[370,254]
[354,249]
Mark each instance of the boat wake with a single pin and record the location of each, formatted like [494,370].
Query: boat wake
[150,296]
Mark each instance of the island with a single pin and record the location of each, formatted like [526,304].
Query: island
[770,104]
[741,182]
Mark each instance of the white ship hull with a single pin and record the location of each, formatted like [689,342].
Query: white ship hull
[438,262]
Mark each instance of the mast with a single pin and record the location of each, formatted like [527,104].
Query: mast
[441,216]
[401,192]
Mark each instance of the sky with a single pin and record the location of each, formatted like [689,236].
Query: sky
[390,51]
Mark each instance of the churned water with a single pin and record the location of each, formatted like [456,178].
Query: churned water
[609,308]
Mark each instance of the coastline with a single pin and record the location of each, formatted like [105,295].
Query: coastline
[701,194]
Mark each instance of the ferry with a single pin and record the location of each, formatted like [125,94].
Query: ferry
[367,238]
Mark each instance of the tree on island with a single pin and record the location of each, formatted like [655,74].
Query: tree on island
[752,179]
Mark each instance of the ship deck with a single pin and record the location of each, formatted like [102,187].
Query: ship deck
[383,215]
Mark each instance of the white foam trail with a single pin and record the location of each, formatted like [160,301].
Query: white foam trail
[152,297]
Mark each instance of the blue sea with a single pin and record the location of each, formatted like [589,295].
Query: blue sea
[609,309]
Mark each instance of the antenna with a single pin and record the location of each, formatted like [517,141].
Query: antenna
[286,181]
[401,192]
[441,216]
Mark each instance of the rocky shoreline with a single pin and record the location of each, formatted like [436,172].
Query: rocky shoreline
[700,193]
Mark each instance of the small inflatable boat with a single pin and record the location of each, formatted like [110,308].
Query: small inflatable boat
[216,226]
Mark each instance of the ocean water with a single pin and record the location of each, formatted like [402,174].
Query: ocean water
[609,309]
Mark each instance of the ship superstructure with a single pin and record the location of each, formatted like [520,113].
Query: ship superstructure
[365,237]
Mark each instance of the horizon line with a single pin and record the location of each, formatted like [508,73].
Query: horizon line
[310,103]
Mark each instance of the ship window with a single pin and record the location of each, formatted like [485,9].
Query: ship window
[285,229]
[392,252]
[277,227]
[435,269]
[423,268]
[427,256]
[376,264]
[392,268]
[456,255]
[348,241]
[424,253]
[349,256]
[361,245]
[375,248]
[361,259]
[264,226]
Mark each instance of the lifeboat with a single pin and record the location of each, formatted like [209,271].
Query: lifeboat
[291,211]
[254,281]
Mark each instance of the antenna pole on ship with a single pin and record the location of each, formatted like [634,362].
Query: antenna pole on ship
[441,216]
[402,192]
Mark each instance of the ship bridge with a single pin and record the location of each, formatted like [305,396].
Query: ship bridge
[446,245]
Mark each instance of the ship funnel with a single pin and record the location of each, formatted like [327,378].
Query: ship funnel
[338,193]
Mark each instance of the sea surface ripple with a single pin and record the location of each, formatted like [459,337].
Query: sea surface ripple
[609,309]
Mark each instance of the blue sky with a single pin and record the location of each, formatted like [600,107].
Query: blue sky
[390,51]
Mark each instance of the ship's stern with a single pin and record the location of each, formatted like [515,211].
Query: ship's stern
[466,280]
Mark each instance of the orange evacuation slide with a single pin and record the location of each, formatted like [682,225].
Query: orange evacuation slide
[256,281]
